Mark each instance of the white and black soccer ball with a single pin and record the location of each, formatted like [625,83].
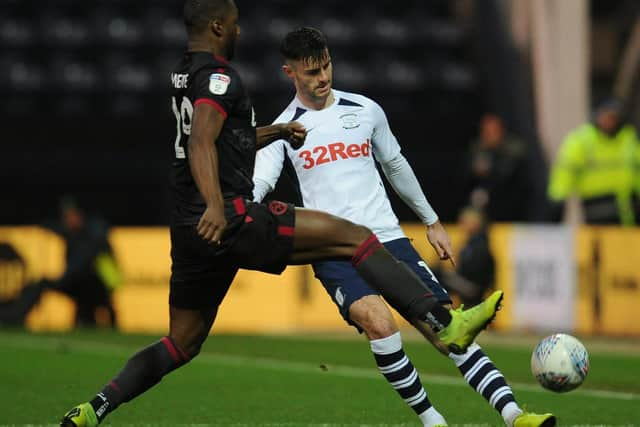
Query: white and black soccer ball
[560,363]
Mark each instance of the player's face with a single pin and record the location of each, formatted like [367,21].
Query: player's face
[312,78]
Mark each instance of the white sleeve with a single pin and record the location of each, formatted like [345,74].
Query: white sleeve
[396,168]
[267,169]
[385,145]
[401,177]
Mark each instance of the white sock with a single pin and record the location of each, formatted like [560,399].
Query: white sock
[432,417]
[510,412]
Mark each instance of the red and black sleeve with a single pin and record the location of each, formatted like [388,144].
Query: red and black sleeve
[218,87]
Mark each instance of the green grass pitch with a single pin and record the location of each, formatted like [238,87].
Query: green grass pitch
[292,381]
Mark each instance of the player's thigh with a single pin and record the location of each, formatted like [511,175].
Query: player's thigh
[193,306]
[402,250]
[199,282]
[316,230]
[264,241]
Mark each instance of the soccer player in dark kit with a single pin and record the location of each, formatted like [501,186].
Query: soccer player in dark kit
[216,230]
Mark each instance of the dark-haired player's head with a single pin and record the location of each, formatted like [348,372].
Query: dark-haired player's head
[214,23]
[307,62]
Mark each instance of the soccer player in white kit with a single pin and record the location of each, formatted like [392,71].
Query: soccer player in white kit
[335,172]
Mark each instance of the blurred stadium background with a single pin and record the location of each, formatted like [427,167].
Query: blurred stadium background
[85,111]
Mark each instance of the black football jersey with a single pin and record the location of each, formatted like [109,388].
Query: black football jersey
[201,77]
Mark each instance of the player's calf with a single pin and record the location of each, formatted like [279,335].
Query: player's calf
[144,370]
[399,285]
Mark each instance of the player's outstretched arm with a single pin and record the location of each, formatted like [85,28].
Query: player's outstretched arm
[203,160]
[406,185]
[292,132]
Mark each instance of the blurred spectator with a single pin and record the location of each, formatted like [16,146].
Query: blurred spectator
[13,274]
[90,275]
[597,161]
[475,272]
[499,181]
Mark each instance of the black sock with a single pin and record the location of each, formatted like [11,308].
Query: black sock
[144,370]
[399,285]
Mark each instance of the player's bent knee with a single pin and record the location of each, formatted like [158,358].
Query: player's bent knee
[358,234]
[381,328]
[190,347]
[373,317]
[193,351]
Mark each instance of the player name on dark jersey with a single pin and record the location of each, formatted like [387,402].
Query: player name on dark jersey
[200,77]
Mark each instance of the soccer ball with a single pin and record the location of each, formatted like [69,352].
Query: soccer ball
[560,363]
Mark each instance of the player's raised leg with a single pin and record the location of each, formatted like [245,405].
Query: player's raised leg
[475,366]
[479,371]
[319,236]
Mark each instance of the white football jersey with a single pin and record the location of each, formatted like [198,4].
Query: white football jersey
[335,167]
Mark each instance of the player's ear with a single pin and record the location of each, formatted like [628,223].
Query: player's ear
[216,27]
[288,70]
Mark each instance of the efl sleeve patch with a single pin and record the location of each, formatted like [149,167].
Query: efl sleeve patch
[219,83]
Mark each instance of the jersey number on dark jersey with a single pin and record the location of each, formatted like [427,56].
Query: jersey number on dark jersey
[183,124]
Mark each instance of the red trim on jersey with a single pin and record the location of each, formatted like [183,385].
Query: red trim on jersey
[365,250]
[114,386]
[221,59]
[285,231]
[213,103]
[238,203]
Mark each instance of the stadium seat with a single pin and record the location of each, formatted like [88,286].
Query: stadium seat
[15,32]
[341,32]
[387,49]
[65,31]
[390,32]
[132,77]
[74,75]
[351,76]
[24,76]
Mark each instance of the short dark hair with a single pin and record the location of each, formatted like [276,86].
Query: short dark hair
[198,13]
[304,43]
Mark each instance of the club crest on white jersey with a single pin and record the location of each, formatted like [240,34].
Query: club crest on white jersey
[349,121]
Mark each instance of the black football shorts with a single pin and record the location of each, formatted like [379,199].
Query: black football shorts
[258,237]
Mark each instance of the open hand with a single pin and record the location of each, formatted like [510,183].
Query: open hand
[439,239]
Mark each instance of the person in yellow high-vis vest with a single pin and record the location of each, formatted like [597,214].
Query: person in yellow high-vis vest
[598,162]
[636,186]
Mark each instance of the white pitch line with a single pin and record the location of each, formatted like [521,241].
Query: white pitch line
[354,372]
[293,366]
